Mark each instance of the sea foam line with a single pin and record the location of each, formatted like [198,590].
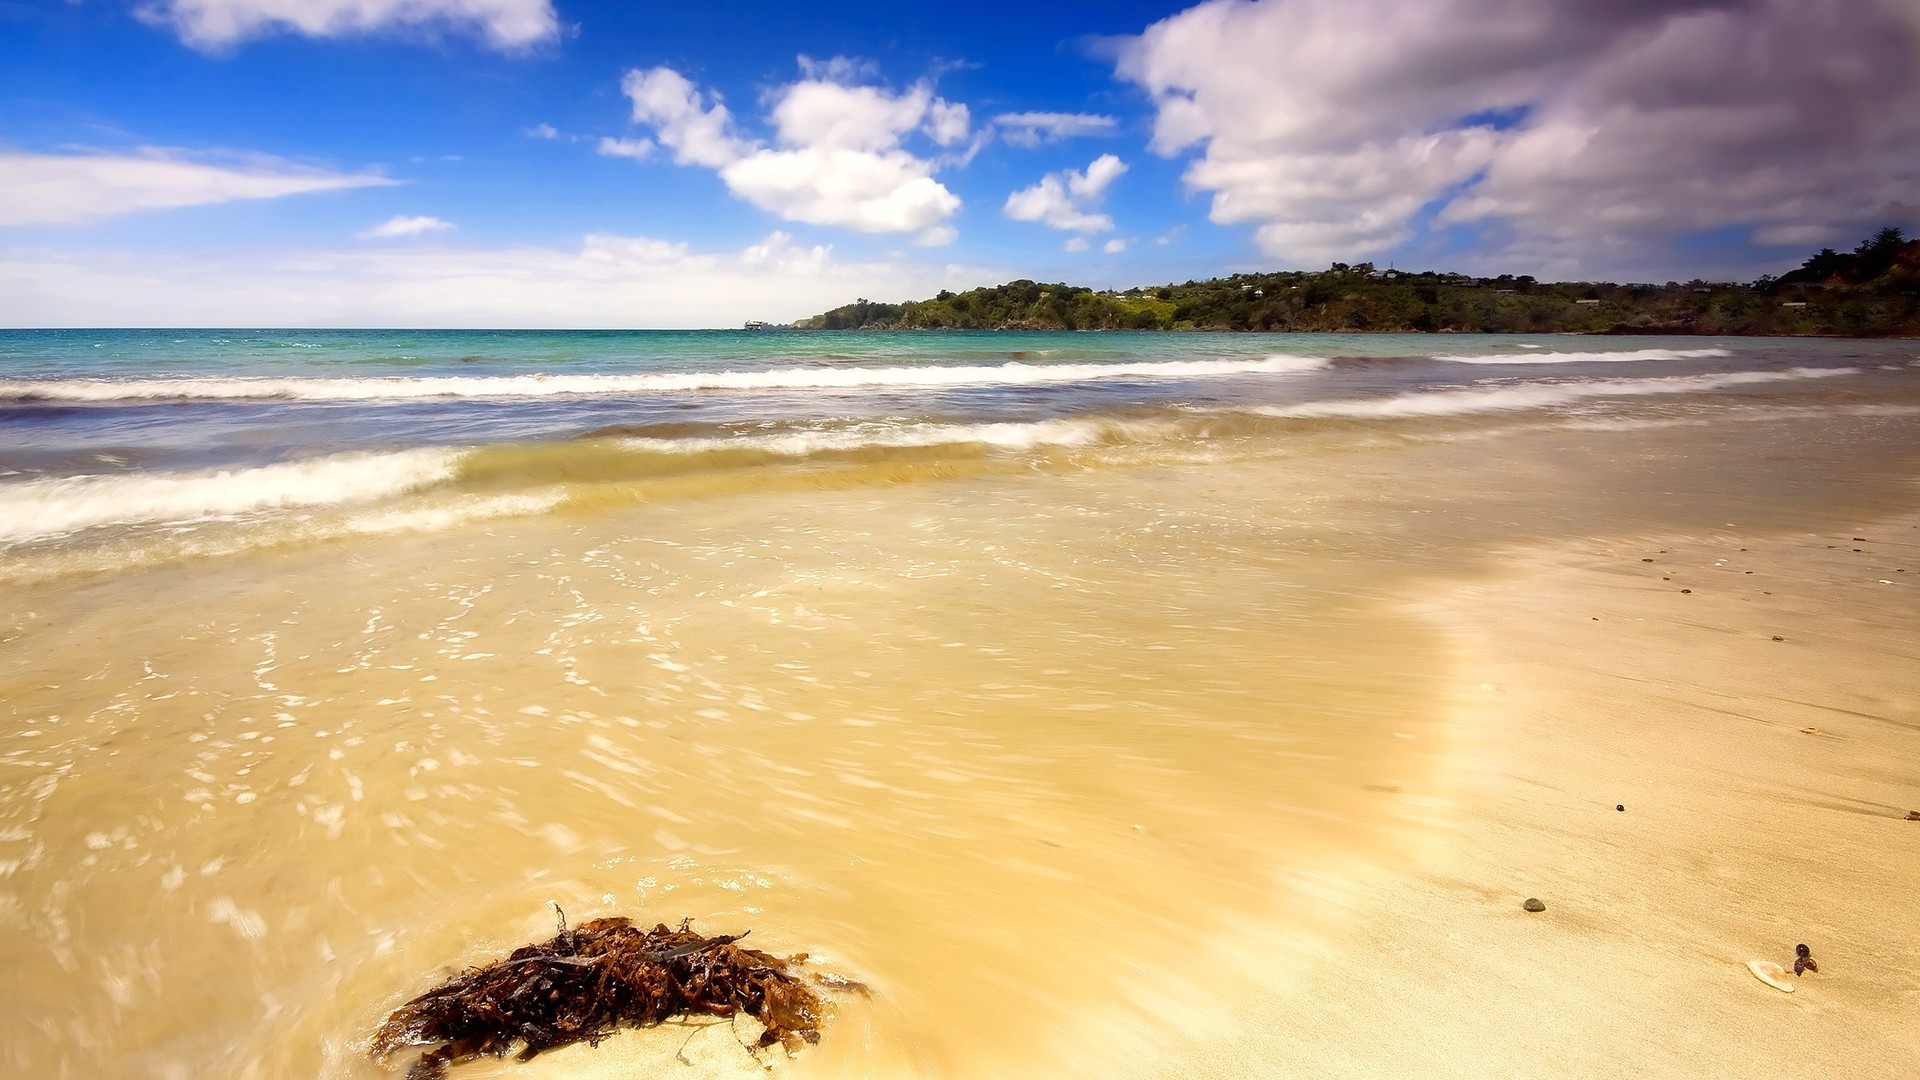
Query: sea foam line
[1617,357]
[1012,373]
[1005,435]
[42,509]
[1537,395]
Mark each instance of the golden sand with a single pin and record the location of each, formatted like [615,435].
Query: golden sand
[1240,768]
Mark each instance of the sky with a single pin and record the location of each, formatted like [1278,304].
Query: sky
[565,163]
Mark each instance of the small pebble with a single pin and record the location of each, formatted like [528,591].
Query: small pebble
[1803,960]
[1913,815]
[1686,590]
[1622,807]
[1534,905]
[1777,637]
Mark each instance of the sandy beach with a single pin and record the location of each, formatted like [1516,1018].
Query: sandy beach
[1149,743]
[1750,700]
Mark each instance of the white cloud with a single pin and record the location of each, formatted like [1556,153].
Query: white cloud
[1115,246]
[1030,129]
[220,24]
[71,189]
[608,281]
[947,122]
[837,156]
[839,69]
[697,133]
[1171,236]
[637,149]
[1334,125]
[1078,243]
[1065,200]
[404,225]
[937,236]
[543,131]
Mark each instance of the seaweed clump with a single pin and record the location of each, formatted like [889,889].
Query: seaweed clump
[583,983]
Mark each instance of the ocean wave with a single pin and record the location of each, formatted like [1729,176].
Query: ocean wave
[1012,373]
[1624,356]
[1535,395]
[44,509]
[1008,435]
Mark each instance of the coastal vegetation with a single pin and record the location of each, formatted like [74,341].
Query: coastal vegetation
[1871,291]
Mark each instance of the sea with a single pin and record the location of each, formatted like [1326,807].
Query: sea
[1056,688]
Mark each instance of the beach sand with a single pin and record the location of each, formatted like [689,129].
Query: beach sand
[1236,764]
[1765,784]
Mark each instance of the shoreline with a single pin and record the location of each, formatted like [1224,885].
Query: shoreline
[1765,784]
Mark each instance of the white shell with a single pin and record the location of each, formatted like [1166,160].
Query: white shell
[1771,973]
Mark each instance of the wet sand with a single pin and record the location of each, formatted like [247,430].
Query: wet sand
[1176,768]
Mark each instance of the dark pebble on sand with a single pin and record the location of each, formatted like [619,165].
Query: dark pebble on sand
[1534,905]
[1686,590]
[1622,807]
[1913,815]
[1646,560]
[1777,637]
[1859,539]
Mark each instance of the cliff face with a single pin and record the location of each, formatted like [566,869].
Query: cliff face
[1872,291]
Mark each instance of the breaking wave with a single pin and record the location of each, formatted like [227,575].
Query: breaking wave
[43,509]
[1535,395]
[1618,357]
[1012,373]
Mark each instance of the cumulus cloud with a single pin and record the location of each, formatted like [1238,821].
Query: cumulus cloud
[837,156]
[607,281]
[1335,126]
[1066,199]
[543,131]
[74,189]
[404,225]
[1114,246]
[213,25]
[637,149]
[1078,243]
[947,122]
[1029,129]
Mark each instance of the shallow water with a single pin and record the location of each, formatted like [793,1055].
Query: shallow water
[1027,707]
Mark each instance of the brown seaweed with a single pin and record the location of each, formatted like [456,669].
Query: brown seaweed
[583,983]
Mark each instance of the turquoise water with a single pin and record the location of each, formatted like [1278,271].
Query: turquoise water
[107,435]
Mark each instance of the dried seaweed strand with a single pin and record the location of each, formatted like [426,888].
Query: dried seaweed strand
[583,983]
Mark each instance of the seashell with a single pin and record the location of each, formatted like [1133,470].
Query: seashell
[1771,973]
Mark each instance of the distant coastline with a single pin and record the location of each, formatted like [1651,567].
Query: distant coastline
[1872,291]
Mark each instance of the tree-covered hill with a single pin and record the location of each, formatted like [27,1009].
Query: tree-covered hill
[1873,290]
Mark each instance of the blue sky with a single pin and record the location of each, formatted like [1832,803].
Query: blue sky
[453,162]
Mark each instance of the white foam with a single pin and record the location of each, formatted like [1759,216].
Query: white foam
[1012,373]
[40,509]
[439,518]
[1538,395]
[1618,357]
[1015,436]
